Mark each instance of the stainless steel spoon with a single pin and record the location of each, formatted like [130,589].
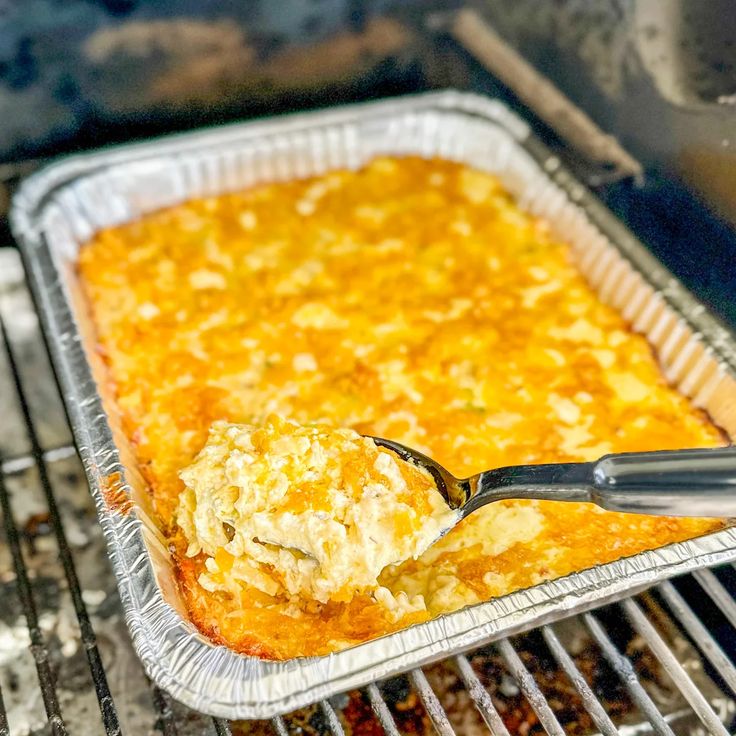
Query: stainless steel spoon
[698,482]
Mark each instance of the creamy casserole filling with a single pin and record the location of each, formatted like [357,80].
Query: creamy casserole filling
[412,300]
[309,512]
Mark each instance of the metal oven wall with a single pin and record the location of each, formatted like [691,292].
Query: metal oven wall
[661,76]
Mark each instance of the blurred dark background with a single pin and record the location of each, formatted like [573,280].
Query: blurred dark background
[660,75]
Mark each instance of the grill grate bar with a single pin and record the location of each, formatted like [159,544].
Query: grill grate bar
[625,670]
[332,720]
[591,703]
[480,697]
[702,637]
[378,704]
[13,465]
[530,689]
[721,597]
[38,645]
[279,726]
[164,711]
[431,703]
[102,690]
[222,728]
[673,668]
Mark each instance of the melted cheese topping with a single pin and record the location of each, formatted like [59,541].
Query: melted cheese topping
[304,511]
[411,300]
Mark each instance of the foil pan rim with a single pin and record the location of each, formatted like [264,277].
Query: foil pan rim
[246,687]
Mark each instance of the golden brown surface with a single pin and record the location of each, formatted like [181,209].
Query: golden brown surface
[410,300]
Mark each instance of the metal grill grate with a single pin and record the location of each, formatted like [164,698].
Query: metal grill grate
[661,662]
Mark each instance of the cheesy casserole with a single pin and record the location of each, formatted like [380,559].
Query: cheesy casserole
[305,512]
[410,300]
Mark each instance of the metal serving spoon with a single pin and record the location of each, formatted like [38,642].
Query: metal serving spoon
[698,482]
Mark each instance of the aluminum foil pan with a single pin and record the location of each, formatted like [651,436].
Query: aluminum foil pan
[61,207]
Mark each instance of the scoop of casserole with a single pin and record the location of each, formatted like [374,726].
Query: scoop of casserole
[304,511]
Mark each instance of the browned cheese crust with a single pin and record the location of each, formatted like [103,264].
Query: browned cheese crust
[411,300]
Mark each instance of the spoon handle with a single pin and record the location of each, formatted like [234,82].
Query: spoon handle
[672,482]
[699,482]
